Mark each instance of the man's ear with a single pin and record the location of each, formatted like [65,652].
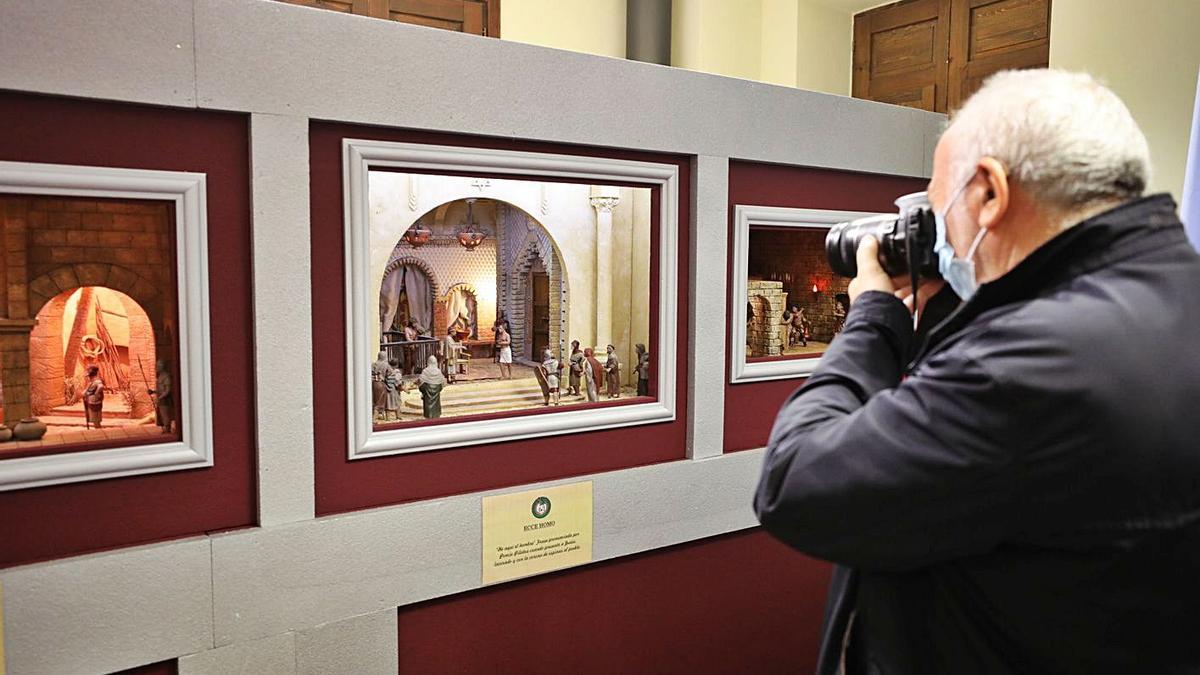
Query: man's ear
[996,197]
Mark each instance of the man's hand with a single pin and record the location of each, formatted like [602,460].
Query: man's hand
[871,276]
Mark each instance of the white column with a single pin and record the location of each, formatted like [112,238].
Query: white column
[282,330]
[604,199]
[706,347]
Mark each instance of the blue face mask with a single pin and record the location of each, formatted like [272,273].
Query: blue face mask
[958,272]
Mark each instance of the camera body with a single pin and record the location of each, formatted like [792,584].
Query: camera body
[905,239]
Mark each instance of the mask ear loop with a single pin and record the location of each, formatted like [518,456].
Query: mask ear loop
[975,244]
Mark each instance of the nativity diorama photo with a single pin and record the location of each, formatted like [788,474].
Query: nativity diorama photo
[500,297]
[786,303]
[795,304]
[87,317]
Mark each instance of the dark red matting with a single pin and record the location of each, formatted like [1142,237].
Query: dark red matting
[170,667]
[344,485]
[753,184]
[61,520]
[738,603]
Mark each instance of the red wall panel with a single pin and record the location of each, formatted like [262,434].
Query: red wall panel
[740,603]
[344,485]
[63,520]
[795,187]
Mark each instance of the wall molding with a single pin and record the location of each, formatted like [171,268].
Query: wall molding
[187,192]
[744,217]
[360,156]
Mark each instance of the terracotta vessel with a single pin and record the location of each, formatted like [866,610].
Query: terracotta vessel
[6,434]
[29,429]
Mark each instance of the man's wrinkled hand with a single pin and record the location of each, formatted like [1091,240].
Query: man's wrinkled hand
[871,276]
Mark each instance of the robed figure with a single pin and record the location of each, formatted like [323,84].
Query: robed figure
[164,397]
[379,371]
[643,369]
[612,370]
[431,383]
[393,381]
[593,374]
[93,398]
[576,361]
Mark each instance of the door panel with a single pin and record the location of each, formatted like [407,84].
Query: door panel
[900,54]
[933,54]
[988,36]
[480,17]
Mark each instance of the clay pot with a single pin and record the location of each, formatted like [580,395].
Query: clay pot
[6,434]
[29,429]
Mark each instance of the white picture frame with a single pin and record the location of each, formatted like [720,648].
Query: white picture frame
[744,217]
[359,157]
[194,449]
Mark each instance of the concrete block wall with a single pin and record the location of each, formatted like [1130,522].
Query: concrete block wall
[305,594]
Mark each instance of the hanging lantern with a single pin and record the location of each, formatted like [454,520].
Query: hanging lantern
[469,234]
[418,235]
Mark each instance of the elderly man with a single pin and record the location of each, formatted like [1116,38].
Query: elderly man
[1018,492]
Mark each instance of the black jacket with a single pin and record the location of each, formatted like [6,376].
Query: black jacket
[1024,496]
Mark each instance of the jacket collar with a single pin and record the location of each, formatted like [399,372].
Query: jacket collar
[1131,228]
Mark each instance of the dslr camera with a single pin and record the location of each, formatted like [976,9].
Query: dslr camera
[906,240]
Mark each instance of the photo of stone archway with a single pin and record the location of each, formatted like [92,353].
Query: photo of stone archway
[87,317]
[548,263]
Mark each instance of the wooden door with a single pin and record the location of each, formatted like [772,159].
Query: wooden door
[987,36]
[463,16]
[540,316]
[480,17]
[900,54]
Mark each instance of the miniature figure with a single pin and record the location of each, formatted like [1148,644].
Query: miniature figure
[841,305]
[576,369]
[642,369]
[411,333]
[431,384]
[798,327]
[379,371]
[504,355]
[450,349]
[592,374]
[500,322]
[392,383]
[612,367]
[163,393]
[93,398]
[552,370]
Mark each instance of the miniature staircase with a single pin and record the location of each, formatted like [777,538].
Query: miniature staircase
[482,397]
[116,414]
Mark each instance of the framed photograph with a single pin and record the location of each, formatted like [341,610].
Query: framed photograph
[786,303]
[496,295]
[104,350]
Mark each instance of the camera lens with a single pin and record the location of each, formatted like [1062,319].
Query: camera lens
[841,244]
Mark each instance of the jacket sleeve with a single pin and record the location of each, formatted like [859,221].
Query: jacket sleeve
[870,471]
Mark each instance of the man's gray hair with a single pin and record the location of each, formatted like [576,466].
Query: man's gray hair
[1063,137]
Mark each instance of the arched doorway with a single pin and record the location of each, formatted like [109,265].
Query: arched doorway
[534,292]
[461,310]
[92,326]
[407,294]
